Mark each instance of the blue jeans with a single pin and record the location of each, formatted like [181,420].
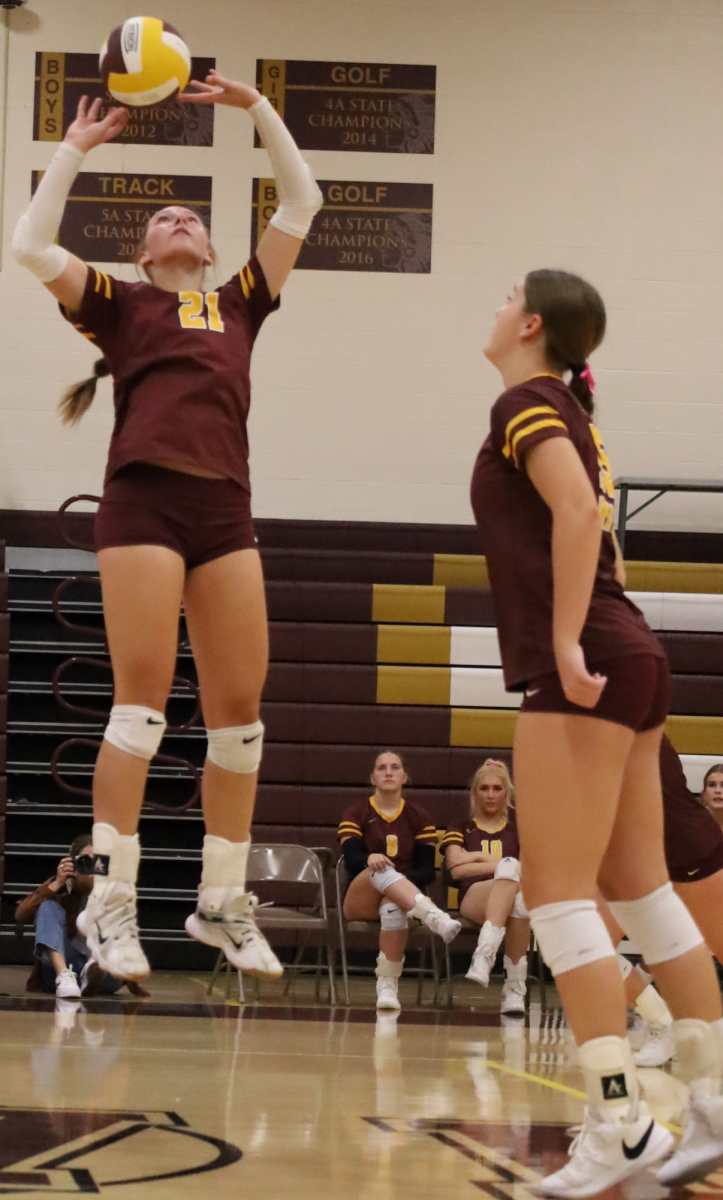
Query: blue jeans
[50,934]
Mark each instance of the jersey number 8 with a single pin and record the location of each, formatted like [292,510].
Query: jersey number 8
[191,311]
[392,845]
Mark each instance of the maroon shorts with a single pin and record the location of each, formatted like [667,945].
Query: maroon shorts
[201,519]
[637,693]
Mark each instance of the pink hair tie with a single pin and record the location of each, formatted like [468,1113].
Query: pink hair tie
[586,374]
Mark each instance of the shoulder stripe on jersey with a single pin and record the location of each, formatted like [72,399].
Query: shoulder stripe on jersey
[426,837]
[250,276]
[351,829]
[103,280]
[452,837]
[549,423]
[85,333]
[523,416]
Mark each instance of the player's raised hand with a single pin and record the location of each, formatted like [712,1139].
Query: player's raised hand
[579,686]
[218,90]
[87,131]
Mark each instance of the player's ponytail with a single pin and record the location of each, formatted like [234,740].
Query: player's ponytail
[573,320]
[76,401]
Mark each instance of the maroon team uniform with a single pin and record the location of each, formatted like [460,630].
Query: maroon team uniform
[504,843]
[516,529]
[180,363]
[693,839]
[395,836]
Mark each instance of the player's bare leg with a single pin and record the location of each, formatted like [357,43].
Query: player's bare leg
[569,772]
[225,608]
[704,898]
[142,587]
[687,981]
[658,1047]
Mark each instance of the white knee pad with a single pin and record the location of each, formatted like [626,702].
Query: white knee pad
[659,925]
[624,964]
[518,908]
[508,868]
[135,729]
[570,934]
[237,748]
[392,916]
[381,880]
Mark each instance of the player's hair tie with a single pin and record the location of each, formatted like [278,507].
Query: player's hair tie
[585,373]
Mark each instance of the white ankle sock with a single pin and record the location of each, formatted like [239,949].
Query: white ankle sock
[224,870]
[117,854]
[610,1080]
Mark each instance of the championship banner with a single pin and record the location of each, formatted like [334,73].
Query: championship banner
[61,80]
[376,107]
[106,214]
[362,226]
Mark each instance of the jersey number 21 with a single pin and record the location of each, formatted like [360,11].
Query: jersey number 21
[191,313]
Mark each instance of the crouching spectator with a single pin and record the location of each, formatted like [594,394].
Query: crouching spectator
[62,961]
[389,849]
[483,856]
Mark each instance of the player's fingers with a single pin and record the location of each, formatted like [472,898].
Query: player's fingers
[82,106]
[95,108]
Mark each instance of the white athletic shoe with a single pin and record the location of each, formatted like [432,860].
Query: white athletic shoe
[234,930]
[108,924]
[513,997]
[658,1047]
[387,993]
[66,985]
[605,1152]
[442,924]
[701,1147]
[482,963]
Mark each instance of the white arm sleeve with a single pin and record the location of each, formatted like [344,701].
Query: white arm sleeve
[299,194]
[33,242]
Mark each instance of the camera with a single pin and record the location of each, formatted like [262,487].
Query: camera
[84,864]
[12,3]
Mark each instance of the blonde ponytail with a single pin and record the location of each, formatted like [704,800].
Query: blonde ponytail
[76,401]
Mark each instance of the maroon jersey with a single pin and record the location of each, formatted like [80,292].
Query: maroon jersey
[516,528]
[693,839]
[468,835]
[394,836]
[180,364]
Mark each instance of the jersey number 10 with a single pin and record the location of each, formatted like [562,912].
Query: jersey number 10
[191,311]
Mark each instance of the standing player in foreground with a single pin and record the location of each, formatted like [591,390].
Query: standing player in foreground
[587,742]
[174,524]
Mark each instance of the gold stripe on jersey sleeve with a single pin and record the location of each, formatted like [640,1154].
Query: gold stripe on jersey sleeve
[523,416]
[250,276]
[451,839]
[244,286]
[349,831]
[533,429]
[103,280]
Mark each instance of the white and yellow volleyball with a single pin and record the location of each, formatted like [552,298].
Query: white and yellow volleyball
[144,62]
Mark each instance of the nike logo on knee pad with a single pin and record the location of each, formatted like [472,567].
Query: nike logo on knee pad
[150,721]
[251,739]
[636,1151]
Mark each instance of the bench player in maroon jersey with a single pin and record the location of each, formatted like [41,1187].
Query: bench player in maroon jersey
[587,741]
[694,855]
[483,855]
[389,847]
[712,794]
[174,525]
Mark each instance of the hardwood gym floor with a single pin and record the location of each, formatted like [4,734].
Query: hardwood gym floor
[185,1096]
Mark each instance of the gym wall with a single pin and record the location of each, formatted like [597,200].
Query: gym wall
[586,134]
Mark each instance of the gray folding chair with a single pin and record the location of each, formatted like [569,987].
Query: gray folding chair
[420,938]
[290,864]
[537,972]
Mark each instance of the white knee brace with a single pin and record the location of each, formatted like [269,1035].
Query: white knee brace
[135,729]
[570,934]
[518,908]
[392,916]
[508,868]
[381,880]
[237,748]
[659,925]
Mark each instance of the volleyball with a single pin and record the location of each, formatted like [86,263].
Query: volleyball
[144,61]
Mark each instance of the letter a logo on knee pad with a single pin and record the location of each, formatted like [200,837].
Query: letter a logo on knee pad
[614,1087]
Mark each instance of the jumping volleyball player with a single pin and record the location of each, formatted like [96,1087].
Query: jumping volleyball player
[174,524]
[587,741]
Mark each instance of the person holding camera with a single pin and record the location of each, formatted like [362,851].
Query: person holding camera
[63,964]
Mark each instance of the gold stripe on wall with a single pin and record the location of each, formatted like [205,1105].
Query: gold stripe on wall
[413,685]
[407,604]
[696,735]
[461,570]
[482,727]
[674,577]
[424,644]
